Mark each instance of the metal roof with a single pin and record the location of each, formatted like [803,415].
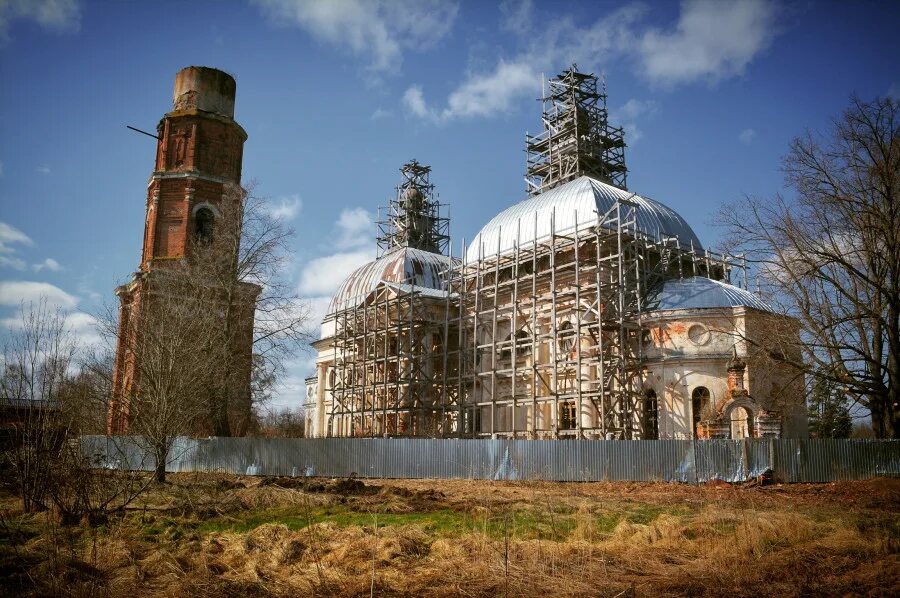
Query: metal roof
[699,292]
[575,203]
[420,291]
[401,265]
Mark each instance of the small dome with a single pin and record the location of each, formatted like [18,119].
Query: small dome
[575,203]
[699,292]
[403,265]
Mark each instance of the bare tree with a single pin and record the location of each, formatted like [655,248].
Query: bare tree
[830,256]
[85,395]
[283,423]
[174,347]
[56,399]
[239,269]
[38,353]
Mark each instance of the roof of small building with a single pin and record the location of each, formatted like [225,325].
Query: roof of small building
[405,265]
[699,292]
[575,205]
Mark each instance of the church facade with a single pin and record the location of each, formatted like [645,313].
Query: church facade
[583,311]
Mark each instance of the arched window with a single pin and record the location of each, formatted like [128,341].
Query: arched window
[741,423]
[651,415]
[699,404]
[204,223]
[520,341]
[566,337]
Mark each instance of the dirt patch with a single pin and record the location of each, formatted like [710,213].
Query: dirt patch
[342,486]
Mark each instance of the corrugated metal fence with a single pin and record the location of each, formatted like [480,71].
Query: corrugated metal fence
[790,460]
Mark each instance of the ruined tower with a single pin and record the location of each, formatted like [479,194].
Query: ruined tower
[192,227]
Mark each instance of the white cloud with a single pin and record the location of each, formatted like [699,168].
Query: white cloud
[59,16]
[10,235]
[48,264]
[81,325]
[414,102]
[517,15]
[15,292]
[44,169]
[712,40]
[635,108]
[558,42]
[381,30]
[84,328]
[380,113]
[287,208]
[747,136]
[488,94]
[290,390]
[480,95]
[322,276]
[628,115]
[318,307]
[355,227]
[8,261]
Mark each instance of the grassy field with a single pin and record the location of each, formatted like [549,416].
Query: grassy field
[234,536]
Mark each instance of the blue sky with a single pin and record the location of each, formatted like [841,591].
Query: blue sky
[336,96]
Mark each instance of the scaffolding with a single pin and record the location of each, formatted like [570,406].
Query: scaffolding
[577,138]
[551,334]
[390,370]
[542,338]
[414,218]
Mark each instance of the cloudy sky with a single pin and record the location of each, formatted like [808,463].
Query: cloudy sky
[337,95]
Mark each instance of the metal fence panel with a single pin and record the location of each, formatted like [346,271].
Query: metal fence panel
[790,460]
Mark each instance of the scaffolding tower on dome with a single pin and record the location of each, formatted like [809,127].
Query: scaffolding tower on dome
[413,218]
[577,138]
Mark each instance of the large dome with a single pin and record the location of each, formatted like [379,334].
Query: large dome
[403,265]
[578,201]
[699,292]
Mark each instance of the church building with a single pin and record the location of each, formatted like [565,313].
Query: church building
[583,311]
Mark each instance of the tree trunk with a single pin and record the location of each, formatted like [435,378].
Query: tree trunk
[892,411]
[221,426]
[160,471]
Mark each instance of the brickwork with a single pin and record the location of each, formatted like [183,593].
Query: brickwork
[198,164]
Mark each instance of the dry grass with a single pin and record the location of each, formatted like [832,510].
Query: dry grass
[220,535]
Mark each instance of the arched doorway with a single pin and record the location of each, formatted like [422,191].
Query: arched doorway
[700,398]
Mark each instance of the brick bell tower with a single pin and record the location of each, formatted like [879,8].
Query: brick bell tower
[197,173]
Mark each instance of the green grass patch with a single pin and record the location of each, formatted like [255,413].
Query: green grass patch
[520,524]
[645,514]
[523,524]
[442,522]
[605,523]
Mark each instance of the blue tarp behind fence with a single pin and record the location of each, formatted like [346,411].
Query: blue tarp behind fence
[790,460]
